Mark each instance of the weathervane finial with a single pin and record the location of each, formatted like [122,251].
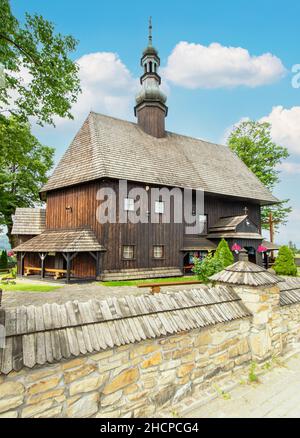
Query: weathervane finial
[150,31]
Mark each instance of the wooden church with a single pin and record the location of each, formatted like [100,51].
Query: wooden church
[67,240]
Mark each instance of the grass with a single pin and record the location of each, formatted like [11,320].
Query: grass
[28,287]
[150,280]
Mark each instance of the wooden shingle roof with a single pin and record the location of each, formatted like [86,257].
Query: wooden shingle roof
[106,147]
[228,223]
[52,332]
[198,243]
[245,273]
[62,241]
[290,291]
[228,228]
[29,221]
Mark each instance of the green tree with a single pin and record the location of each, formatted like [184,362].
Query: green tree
[3,260]
[207,267]
[33,51]
[252,142]
[224,254]
[285,262]
[293,247]
[24,164]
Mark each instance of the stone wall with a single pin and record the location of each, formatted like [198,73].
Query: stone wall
[138,379]
[132,380]
[289,327]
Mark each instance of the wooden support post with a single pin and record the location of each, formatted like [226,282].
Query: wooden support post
[98,267]
[22,263]
[266,256]
[42,257]
[97,257]
[68,257]
[68,267]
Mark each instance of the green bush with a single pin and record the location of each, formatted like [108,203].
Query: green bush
[224,254]
[285,262]
[3,260]
[207,267]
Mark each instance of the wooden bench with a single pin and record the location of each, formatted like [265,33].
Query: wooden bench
[58,273]
[155,287]
[29,270]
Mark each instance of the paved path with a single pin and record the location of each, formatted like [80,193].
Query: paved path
[277,396]
[80,292]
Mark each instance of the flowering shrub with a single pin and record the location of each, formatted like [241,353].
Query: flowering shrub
[236,248]
[261,249]
[206,267]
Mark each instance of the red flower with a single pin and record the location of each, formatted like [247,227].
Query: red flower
[10,253]
[262,248]
[236,247]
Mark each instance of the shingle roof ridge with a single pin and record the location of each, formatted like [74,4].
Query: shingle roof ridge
[168,132]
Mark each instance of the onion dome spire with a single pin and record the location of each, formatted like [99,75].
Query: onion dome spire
[151,108]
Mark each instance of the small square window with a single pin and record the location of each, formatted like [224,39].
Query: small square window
[128,252]
[159,207]
[129,204]
[158,251]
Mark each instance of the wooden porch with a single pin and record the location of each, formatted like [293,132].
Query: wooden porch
[61,254]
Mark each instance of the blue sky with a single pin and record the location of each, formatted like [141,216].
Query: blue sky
[202,103]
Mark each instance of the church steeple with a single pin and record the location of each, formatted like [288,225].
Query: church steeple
[151,108]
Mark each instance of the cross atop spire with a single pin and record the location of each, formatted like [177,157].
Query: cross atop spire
[150,32]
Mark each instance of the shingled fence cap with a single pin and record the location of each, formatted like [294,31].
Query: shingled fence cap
[247,274]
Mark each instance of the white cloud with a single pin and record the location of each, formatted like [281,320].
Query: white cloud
[195,66]
[107,86]
[285,127]
[290,168]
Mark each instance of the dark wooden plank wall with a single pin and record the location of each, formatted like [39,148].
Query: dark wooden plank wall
[83,266]
[152,120]
[83,200]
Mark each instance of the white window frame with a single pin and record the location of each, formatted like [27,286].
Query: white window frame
[124,247]
[128,204]
[159,207]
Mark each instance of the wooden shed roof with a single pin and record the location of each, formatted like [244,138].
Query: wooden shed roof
[271,246]
[227,228]
[235,235]
[198,243]
[106,147]
[52,332]
[228,223]
[62,241]
[245,273]
[29,221]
